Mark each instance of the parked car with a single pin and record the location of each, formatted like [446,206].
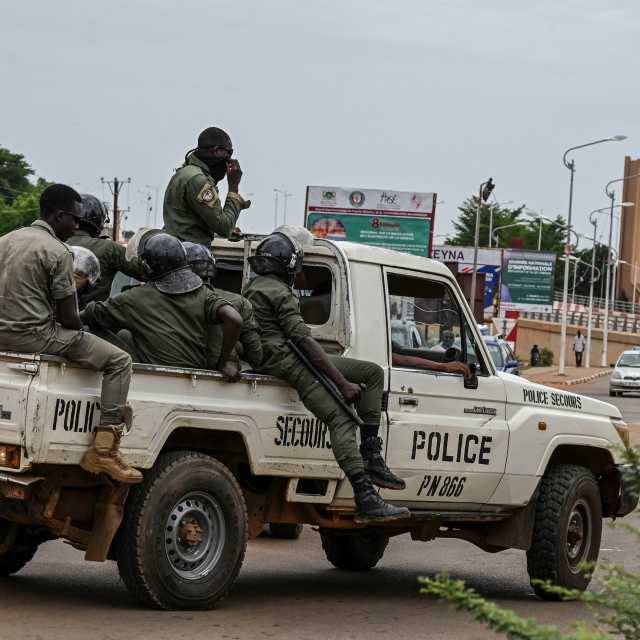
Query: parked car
[626,373]
[502,355]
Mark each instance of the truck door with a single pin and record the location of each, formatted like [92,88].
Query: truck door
[447,441]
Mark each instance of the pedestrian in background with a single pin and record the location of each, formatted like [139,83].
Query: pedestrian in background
[578,347]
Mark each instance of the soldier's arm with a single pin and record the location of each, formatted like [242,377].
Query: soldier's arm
[110,314]
[120,263]
[63,291]
[219,310]
[249,336]
[294,327]
[202,198]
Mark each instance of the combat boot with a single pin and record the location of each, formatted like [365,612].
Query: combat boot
[376,468]
[370,507]
[103,457]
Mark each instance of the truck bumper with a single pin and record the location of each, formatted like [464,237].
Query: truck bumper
[629,494]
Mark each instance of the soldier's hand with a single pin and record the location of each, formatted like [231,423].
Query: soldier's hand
[244,204]
[230,372]
[457,367]
[236,234]
[234,175]
[350,392]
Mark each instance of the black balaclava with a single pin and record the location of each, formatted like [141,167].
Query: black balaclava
[214,137]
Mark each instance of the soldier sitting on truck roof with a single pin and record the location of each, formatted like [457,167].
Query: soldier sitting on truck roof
[169,316]
[249,347]
[110,254]
[277,260]
[39,314]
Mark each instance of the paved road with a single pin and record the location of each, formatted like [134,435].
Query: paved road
[629,404]
[287,590]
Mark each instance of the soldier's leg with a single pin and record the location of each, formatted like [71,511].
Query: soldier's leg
[115,365]
[123,340]
[370,506]
[369,408]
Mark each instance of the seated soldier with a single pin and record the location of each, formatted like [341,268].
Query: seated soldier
[110,254]
[249,347]
[40,315]
[169,316]
[277,260]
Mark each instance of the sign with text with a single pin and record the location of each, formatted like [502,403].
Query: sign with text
[399,220]
[527,280]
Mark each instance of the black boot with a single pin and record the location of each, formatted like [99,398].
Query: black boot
[370,506]
[375,466]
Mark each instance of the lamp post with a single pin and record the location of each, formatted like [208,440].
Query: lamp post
[571,165]
[507,226]
[496,204]
[611,194]
[485,190]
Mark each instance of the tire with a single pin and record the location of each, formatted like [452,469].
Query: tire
[612,394]
[567,529]
[185,494]
[12,561]
[353,552]
[284,530]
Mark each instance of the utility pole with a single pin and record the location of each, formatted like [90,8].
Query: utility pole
[115,186]
[285,196]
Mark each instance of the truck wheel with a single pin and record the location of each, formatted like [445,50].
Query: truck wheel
[184,534]
[12,561]
[353,552]
[566,531]
[284,530]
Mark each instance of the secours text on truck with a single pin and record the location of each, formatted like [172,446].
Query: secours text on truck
[494,460]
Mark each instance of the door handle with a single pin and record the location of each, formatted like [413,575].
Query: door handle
[408,402]
[30,368]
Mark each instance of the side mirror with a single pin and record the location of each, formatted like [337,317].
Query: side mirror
[472,382]
[512,363]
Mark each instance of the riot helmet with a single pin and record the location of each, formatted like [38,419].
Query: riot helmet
[201,261]
[165,262]
[94,214]
[282,252]
[86,268]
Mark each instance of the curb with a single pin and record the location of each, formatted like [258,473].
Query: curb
[569,383]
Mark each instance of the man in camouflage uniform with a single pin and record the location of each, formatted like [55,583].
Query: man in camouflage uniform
[192,208]
[277,260]
[169,316]
[110,254]
[248,347]
[39,314]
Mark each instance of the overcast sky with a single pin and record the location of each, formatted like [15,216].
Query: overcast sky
[425,96]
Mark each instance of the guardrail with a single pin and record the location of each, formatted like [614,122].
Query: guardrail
[624,323]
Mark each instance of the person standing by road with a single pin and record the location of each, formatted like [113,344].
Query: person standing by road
[192,210]
[39,314]
[578,347]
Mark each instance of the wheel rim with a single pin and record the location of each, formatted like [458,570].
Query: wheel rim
[578,541]
[195,535]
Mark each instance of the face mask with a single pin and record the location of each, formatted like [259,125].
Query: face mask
[218,169]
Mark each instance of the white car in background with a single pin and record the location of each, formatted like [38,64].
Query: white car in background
[626,373]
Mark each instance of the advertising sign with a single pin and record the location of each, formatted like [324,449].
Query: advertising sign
[527,280]
[400,220]
[489,264]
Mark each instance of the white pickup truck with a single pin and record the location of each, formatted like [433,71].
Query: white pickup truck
[497,461]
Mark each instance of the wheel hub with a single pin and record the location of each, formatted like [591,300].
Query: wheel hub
[578,535]
[195,535]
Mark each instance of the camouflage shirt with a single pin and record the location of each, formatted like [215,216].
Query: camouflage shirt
[192,209]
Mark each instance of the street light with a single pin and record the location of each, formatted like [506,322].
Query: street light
[507,226]
[611,194]
[495,204]
[571,165]
[485,190]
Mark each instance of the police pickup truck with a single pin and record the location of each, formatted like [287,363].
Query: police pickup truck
[495,460]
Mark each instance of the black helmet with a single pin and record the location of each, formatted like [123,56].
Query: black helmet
[94,213]
[165,261]
[201,260]
[282,252]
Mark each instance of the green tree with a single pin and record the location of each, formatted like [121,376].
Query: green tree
[24,209]
[14,175]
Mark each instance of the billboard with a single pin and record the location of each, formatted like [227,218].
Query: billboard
[400,220]
[489,264]
[527,280]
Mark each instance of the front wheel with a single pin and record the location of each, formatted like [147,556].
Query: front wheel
[353,552]
[567,530]
[184,534]
[20,553]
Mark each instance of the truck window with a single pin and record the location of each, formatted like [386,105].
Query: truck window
[426,321]
[314,288]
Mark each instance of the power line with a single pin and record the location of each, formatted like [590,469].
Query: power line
[115,186]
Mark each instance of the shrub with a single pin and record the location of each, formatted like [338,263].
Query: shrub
[546,357]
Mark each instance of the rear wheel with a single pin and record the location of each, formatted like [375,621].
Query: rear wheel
[567,530]
[184,534]
[21,552]
[353,552]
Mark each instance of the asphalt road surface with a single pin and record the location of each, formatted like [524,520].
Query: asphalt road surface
[287,590]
